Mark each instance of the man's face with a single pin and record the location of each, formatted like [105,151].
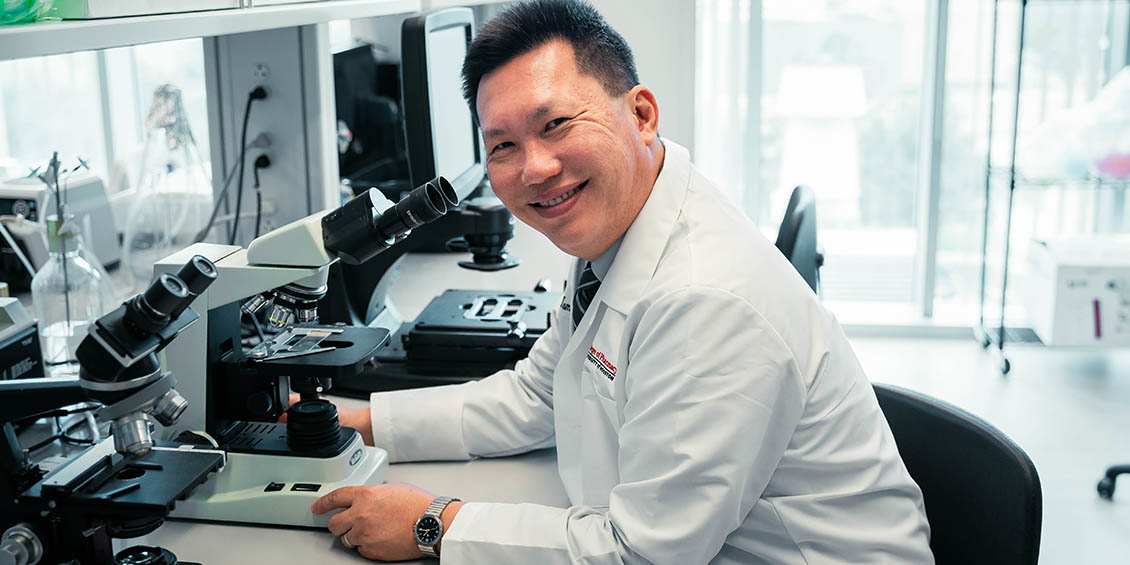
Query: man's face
[563,155]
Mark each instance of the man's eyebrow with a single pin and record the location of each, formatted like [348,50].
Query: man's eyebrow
[538,114]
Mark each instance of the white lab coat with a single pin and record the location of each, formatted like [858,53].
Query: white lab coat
[706,409]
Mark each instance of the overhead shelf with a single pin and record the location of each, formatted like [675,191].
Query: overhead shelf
[52,38]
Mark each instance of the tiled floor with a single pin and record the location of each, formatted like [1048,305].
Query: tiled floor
[1069,410]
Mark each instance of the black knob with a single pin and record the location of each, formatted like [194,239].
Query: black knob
[260,404]
[145,555]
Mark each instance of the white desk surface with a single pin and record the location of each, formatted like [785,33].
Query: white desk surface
[524,478]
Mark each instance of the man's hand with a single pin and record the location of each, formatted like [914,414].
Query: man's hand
[359,419]
[379,519]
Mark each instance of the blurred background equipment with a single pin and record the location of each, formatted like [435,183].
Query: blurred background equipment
[71,289]
[20,356]
[174,189]
[1078,290]
[24,205]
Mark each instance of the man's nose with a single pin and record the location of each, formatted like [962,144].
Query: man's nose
[540,166]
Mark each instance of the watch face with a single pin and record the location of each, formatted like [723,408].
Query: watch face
[427,530]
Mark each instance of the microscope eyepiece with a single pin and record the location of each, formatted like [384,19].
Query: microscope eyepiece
[356,232]
[424,204]
[198,273]
[164,295]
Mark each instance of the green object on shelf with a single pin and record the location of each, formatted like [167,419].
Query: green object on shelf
[23,11]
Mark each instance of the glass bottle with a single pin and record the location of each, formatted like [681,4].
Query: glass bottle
[174,190]
[68,293]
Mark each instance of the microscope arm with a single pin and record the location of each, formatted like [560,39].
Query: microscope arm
[24,398]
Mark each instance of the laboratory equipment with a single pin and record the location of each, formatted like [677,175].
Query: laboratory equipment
[1078,290]
[25,203]
[174,189]
[121,487]
[237,392]
[68,293]
[20,356]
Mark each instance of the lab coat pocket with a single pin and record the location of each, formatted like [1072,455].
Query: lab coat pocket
[600,392]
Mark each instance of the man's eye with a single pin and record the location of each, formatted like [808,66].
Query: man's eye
[555,123]
[501,146]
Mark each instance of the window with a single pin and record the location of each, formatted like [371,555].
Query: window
[51,104]
[1069,121]
[106,96]
[845,88]
[840,110]
[94,106]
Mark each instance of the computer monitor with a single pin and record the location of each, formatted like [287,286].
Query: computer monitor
[367,97]
[442,138]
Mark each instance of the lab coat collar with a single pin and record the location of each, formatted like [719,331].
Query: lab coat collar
[643,243]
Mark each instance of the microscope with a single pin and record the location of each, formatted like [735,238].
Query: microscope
[238,372]
[123,486]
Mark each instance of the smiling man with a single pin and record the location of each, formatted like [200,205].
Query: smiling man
[704,405]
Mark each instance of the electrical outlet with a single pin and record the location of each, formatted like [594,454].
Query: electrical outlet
[261,72]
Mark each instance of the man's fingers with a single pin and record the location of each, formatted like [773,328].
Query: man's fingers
[339,498]
[341,523]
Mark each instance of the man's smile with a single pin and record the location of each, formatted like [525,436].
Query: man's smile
[557,205]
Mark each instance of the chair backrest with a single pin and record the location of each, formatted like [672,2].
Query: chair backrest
[981,490]
[796,238]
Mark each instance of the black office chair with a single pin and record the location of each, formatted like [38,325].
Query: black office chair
[796,237]
[982,492]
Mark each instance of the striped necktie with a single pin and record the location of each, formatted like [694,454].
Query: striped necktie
[587,286]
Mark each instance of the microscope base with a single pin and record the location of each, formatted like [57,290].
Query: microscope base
[248,489]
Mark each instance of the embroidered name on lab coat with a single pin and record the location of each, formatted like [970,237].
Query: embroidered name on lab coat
[597,358]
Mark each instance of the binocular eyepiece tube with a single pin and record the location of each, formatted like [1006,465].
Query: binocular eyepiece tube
[357,231]
[169,295]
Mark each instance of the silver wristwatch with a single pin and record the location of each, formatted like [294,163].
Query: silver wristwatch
[429,528]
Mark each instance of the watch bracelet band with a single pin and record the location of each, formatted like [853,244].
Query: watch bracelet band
[435,509]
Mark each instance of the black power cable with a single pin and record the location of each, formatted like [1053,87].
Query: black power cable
[261,162]
[259,93]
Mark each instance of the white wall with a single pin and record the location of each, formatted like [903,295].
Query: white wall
[660,32]
[662,36]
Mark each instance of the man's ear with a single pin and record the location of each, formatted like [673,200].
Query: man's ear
[645,110]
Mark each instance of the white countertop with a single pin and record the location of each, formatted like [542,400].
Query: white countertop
[523,478]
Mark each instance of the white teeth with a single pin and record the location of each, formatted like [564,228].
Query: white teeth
[559,199]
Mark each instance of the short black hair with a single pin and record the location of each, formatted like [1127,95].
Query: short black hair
[600,51]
